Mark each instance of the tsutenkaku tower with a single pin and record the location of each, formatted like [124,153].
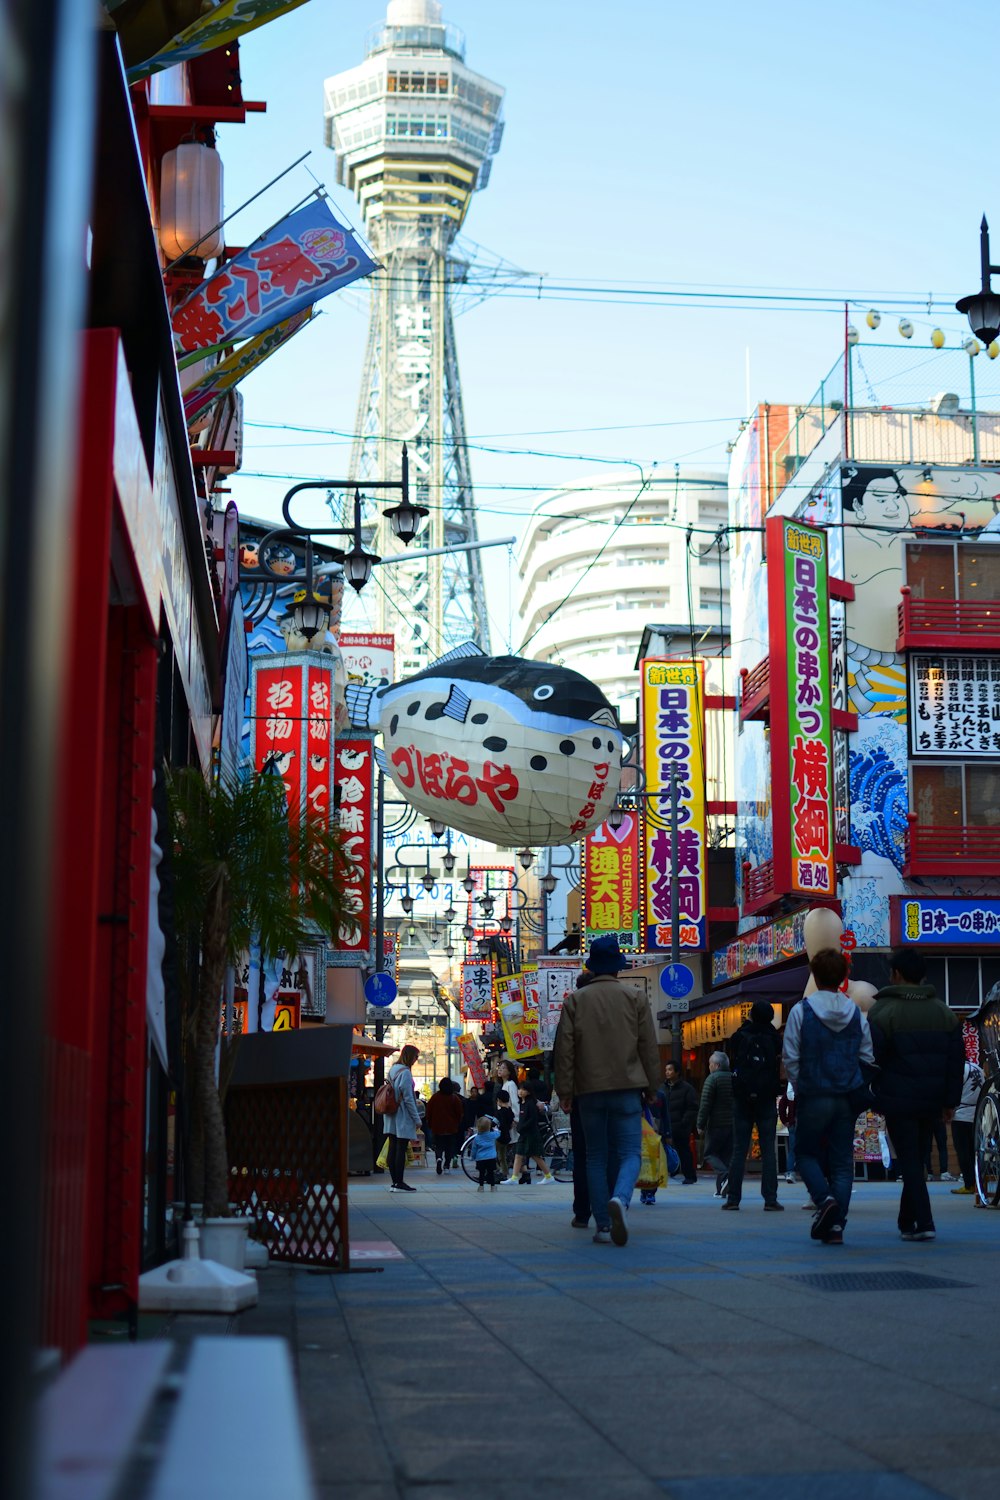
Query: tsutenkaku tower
[415,132]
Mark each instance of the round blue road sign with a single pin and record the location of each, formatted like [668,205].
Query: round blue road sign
[676,980]
[380,989]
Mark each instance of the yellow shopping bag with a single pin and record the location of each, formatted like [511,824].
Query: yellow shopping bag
[653,1167]
[382,1160]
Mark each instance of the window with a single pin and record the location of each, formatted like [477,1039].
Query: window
[953,570]
[956,796]
[962,981]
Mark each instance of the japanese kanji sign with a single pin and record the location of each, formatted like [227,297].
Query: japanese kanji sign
[469,1051]
[305,257]
[220,24]
[368,656]
[477,992]
[354,779]
[947,921]
[801,708]
[673,748]
[279,724]
[771,943]
[955,705]
[611,883]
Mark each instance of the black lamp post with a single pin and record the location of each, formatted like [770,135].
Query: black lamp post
[983,307]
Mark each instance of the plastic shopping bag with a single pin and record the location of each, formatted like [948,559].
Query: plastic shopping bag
[382,1160]
[653,1167]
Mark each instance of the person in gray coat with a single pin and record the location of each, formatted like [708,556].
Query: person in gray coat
[715,1118]
[404,1125]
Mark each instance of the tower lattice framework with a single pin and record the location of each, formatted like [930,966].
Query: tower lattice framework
[415,132]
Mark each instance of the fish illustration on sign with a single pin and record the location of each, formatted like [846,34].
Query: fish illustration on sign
[504,749]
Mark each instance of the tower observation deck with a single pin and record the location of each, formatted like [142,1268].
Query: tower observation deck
[415,131]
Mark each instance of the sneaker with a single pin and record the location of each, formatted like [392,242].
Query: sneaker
[548,1177]
[493,1187]
[789,1177]
[506,1181]
[440,1166]
[963,1190]
[393,1188]
[774,1208]
[404,1187]
[619,1225]
[446,1171]
[480,1188]
[925,1234]
[602,1237]
[809,1206]
[580,1223]
[826,1216]
[834,1235]
[723,1187]
[730,1206]
[948,1177]
[907,1234]
[689,1181]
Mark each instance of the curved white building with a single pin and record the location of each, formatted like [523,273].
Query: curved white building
[640,578]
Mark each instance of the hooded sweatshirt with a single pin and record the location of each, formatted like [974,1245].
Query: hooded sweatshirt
[836,1011]
[918,1049]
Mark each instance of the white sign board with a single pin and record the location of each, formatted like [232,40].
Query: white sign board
[954,705]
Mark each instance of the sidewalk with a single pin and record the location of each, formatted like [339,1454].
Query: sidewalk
[508,1354]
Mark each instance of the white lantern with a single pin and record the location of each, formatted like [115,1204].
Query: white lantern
[905,328]
[191,202]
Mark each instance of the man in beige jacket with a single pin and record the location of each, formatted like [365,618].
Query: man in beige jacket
[606,1058]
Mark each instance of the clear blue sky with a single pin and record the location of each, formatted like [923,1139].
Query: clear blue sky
[778,146]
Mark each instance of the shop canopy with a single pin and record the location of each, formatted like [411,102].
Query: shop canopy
[366,1046]
[778,987]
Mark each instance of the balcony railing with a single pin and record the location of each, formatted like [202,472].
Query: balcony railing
[957,624]
[756,690]
[758,887]
[956,850]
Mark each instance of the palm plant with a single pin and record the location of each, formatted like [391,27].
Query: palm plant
[243,873]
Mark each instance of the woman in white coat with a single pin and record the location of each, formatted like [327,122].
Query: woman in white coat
[404,1125]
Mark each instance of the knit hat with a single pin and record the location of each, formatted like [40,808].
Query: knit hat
[605,956]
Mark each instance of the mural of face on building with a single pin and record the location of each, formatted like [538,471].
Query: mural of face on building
[877,503]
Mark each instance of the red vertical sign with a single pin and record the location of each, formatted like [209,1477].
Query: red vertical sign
[355,782]
[278,723]
[319,743]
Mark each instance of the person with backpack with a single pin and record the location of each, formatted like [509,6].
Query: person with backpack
[827,1053]
[754,1056]
[402,1122]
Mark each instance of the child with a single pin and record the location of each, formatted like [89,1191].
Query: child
[484,1151]
[529,1138]
[505,1120]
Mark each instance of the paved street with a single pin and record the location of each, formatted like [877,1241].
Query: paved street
[506,1354]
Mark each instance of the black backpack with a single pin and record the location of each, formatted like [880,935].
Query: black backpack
[754,1073]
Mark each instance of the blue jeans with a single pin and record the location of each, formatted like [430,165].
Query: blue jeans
[612,1127]
[824,1135]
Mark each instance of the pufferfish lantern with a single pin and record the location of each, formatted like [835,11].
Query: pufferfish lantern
[824,929]
[500,748]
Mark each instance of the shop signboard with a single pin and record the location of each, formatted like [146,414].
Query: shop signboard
[555,987]
[354,778]
[368,656]
[771,943]
[611,883]
[477,992]
[944,921]
[954,705]
[801,708]
[673,750]
[469,1051]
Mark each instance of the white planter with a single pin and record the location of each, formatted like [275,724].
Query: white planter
[224,1241]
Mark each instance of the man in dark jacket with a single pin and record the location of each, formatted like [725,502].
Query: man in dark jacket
[754,1058]
[715,1118]
[678,1113]
[920,1057]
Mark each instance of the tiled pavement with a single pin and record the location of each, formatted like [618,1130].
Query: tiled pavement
[507,1354]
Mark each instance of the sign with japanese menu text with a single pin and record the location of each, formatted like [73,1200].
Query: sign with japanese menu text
[801,708]
[611,883]
[954,705]
[354,779]
[369,656]
[945,921]
[305,257]
[673,750]
[477,992]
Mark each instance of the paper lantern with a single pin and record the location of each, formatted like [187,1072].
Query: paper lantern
[852,335]
[905,328]
[993,349]
[971,346]
[517,752]
[937,339]
[873,318]
[191,202]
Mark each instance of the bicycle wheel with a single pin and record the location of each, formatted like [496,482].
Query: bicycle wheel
[986,1144]
[558,1154]
[468,1161]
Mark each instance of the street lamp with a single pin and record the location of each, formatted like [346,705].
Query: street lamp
[437,828]
[548,883]
[983,307]
[616,817]
[526,857]
[468,932]
[427,881]
[486,902]
[449,914]
[406,902]
[449,861]
[468,884]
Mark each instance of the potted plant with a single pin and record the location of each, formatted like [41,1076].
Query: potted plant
[243,874]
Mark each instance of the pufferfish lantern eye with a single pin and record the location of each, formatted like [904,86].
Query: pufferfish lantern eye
[543,692]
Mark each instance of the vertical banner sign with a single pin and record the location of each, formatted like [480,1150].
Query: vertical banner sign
[556,986]
[477,992]
[801,708]
[673,749]
[469,1050]
[319,745]
[354,780]
[279,723]
[611,883]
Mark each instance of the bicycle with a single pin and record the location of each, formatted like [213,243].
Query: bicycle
[557,1153]
[986,1129]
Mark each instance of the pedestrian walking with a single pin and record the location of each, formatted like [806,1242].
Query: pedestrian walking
[715,1119]
[484,1152]
[606,1059]
[939,1138]
[678,1117]
[962,1126]
[530,1141]
[755,1064]
[827,1051]
[444,1116]
[505,1123]
[921,1061]
[404,1126]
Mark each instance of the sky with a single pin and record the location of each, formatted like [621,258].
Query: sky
[655,147]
